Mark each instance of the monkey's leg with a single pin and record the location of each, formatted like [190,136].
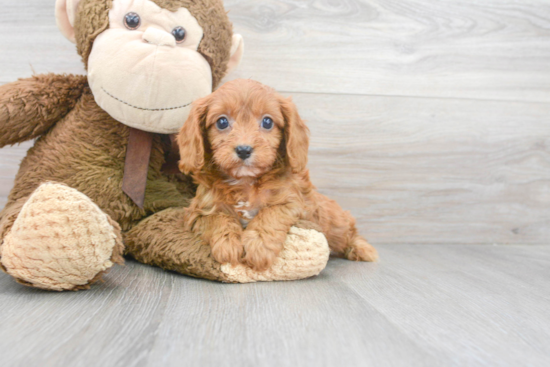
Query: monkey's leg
[162,240]
[58,239]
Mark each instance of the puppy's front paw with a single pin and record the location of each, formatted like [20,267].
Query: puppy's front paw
[227,249]
[259,255]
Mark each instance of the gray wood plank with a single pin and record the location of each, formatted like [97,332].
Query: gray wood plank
[456,301]
[143,315]
[31,43]
[300,323]
[466,49]
[425,305]
[491,49]
[434,171]
[82,329]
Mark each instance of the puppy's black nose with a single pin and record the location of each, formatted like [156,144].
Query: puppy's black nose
[244,151]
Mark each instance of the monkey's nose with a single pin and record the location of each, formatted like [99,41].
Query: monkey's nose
[157,37]
[244,151]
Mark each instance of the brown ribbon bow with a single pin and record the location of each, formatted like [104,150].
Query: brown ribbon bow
[136,166]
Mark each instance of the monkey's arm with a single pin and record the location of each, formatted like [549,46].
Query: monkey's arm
[29,107]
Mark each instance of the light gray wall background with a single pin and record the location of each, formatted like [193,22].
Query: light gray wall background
[429,119]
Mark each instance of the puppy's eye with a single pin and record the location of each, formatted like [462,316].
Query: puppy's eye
[179,34]
[132,21]
[222,123]
[267,123]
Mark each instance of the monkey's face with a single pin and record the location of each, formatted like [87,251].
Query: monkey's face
[144,70]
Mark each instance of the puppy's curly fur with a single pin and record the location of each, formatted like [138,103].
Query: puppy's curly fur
[244,208]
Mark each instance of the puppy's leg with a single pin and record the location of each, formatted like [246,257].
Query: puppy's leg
[223,232]
[266,233]
[358,249]
[341,232]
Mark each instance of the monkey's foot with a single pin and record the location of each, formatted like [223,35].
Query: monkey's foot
[305,254]
[61,240]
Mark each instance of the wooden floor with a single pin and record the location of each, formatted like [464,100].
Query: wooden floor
[425,305]
[430,122]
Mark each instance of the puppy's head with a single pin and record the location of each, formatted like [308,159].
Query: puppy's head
[243,129]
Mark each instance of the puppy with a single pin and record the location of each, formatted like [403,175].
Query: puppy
[246,148]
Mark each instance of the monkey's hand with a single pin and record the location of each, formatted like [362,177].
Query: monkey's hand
[29,107]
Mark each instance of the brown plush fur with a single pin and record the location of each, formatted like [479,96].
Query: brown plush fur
[84,151]
[273,182]
[81,146]
[162,240]
[93,18]
[31,106]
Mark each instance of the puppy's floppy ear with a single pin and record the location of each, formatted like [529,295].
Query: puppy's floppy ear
[296,136]
[191,138]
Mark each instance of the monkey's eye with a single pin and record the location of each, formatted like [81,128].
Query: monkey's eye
[222,123]
[132,21]
[267,123]
[179,34]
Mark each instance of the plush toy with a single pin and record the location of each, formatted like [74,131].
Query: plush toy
[101,180]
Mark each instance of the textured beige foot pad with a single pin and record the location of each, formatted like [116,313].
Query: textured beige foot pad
[61,240]
[305,254]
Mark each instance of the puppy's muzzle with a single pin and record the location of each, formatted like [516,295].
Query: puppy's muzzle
[244,151]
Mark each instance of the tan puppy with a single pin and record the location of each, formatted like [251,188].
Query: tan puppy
[246,148]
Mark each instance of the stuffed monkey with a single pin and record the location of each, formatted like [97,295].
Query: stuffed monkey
[100,181]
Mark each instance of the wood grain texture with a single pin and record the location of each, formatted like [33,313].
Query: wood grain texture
[421,306]
[419,171]
[31,43]
[453,49]
[489,49]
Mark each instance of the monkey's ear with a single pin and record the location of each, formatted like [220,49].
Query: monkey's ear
[237,50]
[65,14]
